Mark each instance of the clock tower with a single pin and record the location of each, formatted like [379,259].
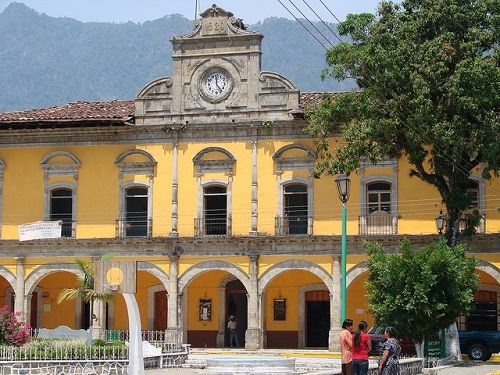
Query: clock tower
[217,77]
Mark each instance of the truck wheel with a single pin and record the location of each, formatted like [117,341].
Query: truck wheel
[477,352]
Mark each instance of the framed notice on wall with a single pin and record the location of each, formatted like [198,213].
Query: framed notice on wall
[205,309]
[280,309]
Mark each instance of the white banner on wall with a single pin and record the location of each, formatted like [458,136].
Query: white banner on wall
[40,229]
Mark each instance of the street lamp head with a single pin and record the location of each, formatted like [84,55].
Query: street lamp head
[343,186]
[440,221]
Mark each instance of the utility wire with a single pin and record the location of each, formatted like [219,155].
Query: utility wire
[312,24]
[309,31]
[324,23]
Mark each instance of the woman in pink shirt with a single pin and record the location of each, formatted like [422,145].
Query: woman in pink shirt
[361,346]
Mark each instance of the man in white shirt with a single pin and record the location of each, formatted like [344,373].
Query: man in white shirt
[233,336]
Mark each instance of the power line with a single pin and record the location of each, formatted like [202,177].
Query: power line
[312,24]
[324,23]
[293,15]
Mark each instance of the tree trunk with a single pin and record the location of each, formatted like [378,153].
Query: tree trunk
[419,348]
[453,343]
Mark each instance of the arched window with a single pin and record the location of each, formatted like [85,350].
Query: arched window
[379,197]
[473,191]
[61,208]
[136,212]
[378,218]
[295,218]
[215,220]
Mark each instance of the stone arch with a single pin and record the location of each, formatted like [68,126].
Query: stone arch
[55,154]
[489,268]
[356,271]
[309,152]
[38,274]
[155,87]
[155,271]
[212,265]
[294,264]
[120,159]
[197,158]
[9,276]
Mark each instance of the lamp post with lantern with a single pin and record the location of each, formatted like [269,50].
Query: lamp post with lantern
[440,223]
[343,187]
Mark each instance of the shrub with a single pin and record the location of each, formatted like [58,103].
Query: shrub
[12,331]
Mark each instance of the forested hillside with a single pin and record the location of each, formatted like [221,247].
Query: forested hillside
[46,61]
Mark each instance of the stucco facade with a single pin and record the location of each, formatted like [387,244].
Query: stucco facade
[206,180]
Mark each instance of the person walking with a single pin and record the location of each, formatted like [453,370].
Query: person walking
[346,347]
[361,346]
[233,335]
[389,362]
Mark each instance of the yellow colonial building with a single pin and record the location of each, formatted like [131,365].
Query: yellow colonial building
[205,179]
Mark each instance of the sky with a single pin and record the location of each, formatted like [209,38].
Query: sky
[251,11]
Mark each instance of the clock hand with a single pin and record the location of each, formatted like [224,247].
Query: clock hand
[217,84]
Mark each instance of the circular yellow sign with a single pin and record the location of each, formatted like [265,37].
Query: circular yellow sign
[114,276]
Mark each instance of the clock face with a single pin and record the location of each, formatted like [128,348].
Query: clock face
[216,85]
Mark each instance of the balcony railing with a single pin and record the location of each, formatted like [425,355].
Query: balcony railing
[378,223]
[293,225]
[212,226]
[67,225]
[134,227]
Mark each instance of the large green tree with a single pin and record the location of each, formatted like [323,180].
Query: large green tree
[429,79]
[420,291]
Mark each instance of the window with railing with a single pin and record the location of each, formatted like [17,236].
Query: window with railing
[61,209]
[295,219]
[135,221]
[484,316]
[378,218]
[473,215]
[215,220]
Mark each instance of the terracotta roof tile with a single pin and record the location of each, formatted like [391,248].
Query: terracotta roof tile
[115,110]
[77,111]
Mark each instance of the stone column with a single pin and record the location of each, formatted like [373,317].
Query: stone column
[173,333]
[253,333]
[27,308]
[335,307]
[221,333]
[175,203]
[254,189]
[19,292]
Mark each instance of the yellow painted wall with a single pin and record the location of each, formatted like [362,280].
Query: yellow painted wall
[285,286]
[54,314]
[357,305]
[205,286]
[144,281]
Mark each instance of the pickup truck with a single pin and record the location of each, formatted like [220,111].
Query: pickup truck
[479,345]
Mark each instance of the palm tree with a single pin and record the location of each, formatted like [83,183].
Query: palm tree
[85,289]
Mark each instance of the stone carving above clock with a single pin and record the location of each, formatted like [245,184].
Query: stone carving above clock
[216,70]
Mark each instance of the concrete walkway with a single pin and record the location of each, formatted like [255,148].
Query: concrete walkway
[472,368]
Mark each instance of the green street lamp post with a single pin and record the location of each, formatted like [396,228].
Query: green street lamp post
[343,187]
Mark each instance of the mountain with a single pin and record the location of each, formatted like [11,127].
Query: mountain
[46,61]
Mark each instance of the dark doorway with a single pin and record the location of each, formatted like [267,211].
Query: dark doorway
[34,310]
[317,318]
[296,215]
[237,305]
[161,311]
[61,208]
[85,317]
[215,210]
[136,212]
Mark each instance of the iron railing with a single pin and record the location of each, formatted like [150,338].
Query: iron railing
[67,225]
[378,224]
[139,226]
[293,225]
[213,226]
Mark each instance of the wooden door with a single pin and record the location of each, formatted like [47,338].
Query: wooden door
[161,311]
